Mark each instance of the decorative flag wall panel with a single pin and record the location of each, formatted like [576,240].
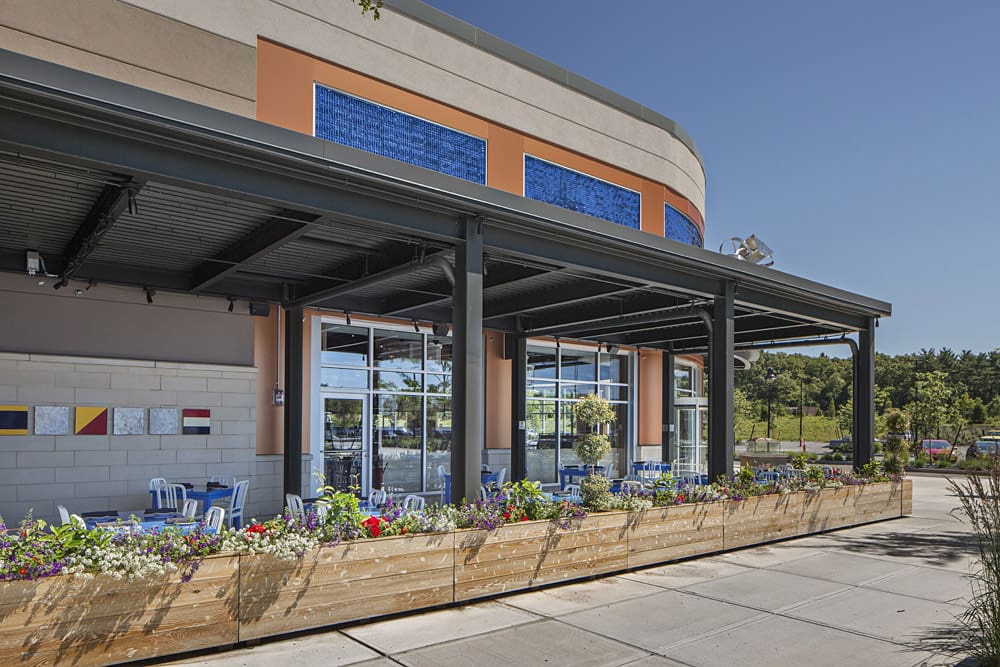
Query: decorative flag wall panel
[13,420]
[196,422]
[91,421]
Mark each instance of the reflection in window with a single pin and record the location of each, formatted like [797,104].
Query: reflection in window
[577,366]
[439,358]
[541,439]
[397,435]
[343,378]
[683,381]
[399,351]
[343,345]
[438,442]
[614,368]
[541,363]
[392,381]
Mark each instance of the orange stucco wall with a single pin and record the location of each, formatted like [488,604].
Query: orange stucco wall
[498,392]
[285,79]
[650,388]
[270,419]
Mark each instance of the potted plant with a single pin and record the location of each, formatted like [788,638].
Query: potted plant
[593,413]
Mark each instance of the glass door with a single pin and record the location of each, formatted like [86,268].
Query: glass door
[692,450]
[345,442]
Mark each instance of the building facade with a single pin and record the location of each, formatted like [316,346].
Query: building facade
[353,316]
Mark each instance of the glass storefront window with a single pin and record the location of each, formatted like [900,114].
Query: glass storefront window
[439,356]
[400,351]
[577,366]
[438,442]
[392,381]
[683,381]
[541,363]
[614,368]
[343,345]
[343,378]
[541,439]
[397,439]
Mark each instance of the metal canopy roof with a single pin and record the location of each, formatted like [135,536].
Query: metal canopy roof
[116,184]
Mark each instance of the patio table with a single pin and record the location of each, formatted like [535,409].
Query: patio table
[768,476]
[147,522]
[206,497]
[570,475]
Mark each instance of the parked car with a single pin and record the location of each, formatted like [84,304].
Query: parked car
[983,447]
[936,448]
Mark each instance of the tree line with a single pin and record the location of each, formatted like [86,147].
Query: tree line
[939,390]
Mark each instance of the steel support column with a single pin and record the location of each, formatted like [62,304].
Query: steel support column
[294,360]
[668,437]
[863,437]
[720,400]
[517,352]
[467,369]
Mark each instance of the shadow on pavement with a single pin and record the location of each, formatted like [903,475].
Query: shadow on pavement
[936,549]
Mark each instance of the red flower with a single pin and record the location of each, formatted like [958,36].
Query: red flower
[372,525]
[524,518]
[681,497]
[506,515]
[257,528]
[23,571]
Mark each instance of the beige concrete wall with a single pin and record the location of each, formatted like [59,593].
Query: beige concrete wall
[98,472]
[417,57]
[119,41]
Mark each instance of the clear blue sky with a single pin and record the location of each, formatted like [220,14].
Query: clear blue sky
[860,140]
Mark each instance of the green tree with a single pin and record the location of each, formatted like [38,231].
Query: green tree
[743,414]
[373,6]
[932,406]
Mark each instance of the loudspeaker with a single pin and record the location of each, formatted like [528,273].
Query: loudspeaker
[260,309]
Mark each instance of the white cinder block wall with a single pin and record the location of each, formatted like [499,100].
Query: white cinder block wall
[85,473]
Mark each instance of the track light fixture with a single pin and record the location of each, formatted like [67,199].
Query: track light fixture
[347,316]
[150,293]
[416,327]
[232,304]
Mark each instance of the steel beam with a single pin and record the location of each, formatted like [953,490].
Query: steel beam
[863,436]
[467,369]
[113,201]
[643,304]
[548,298]
[314,294]
[800,308]
[294,400]
[280,230]
[516,346]
[721,437]
[500,275]
[669,430]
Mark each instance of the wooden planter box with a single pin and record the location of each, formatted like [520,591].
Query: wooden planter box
[347,582]
[664,534]
[518,556]
[99,621]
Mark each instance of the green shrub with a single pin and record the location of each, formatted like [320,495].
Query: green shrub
[595,492]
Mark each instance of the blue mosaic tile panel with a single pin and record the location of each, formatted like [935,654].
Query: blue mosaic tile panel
[678,227]
[371,127]
[570,189]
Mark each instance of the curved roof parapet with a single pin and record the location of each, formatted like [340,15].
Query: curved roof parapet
[459,29]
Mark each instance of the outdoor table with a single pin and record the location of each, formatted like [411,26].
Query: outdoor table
[486,477]
[570,475]
[643,468]
[205,497]
[147,522]
[767,476]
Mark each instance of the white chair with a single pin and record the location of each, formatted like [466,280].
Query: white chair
[321,509]
[173,496]
[294,504]
[190,508]
[574,492]
[483,493]
[222,479]
[609,472]
[234,517]
[377,498]
[214,518]
[631,486]
[501,476]
[413,504]
[158,484]
[63,514]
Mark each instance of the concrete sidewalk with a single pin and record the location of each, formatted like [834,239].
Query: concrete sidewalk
[881,594]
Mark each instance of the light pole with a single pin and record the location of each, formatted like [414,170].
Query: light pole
[802,409]
[770,385]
